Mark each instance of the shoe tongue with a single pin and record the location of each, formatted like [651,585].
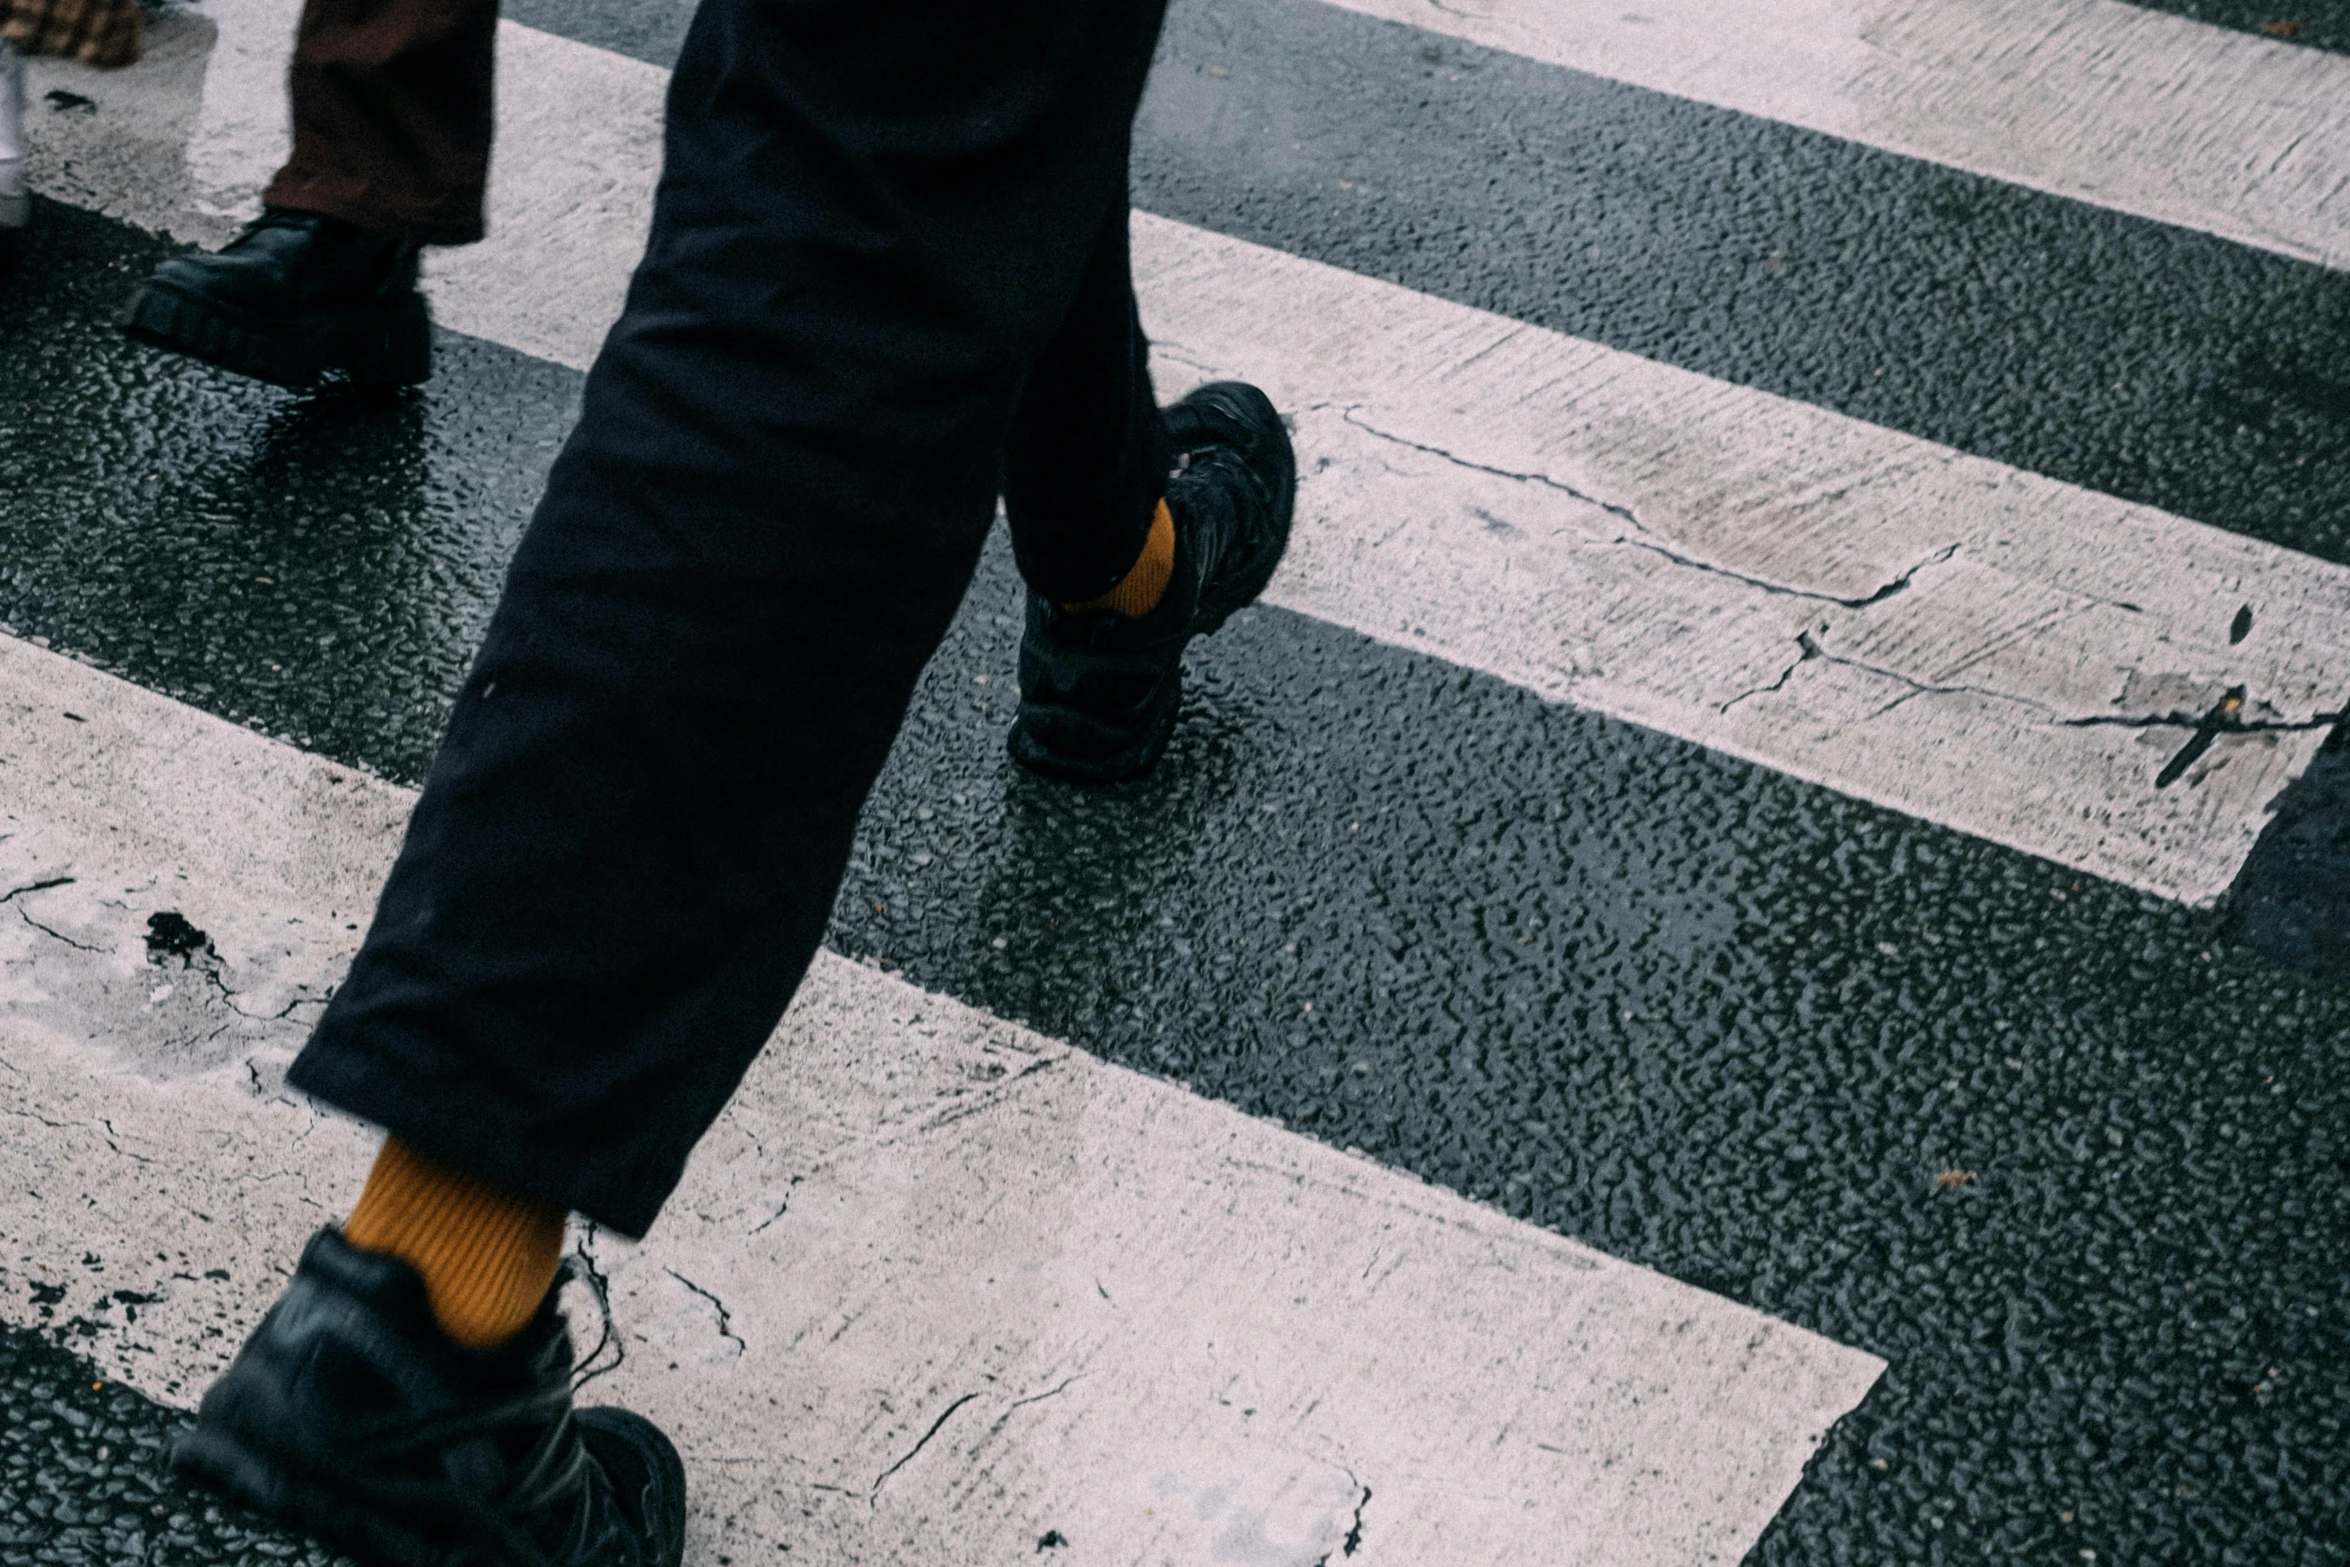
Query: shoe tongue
[383,1281]
[395,1292]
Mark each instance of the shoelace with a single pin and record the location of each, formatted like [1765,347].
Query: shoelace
[487,1527]
[578,1269]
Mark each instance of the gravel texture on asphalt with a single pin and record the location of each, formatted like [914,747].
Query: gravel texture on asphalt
[83,1481]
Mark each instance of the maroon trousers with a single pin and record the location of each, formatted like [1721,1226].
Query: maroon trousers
[392,113]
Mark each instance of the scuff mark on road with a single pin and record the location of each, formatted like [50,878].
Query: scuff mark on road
[171,934]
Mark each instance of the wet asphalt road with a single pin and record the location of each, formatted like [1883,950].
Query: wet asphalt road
[1698,1015]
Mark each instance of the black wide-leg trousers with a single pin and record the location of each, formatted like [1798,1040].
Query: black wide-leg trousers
[887,281]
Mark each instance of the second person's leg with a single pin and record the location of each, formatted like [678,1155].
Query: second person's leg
[392,110]
[1136,529]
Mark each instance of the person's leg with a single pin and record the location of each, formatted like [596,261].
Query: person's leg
[871,222]
[1136,529]
[392,118]
[1086,463]
[868,228]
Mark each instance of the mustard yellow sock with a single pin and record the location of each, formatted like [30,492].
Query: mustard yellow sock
[1145,582]
[487,1257]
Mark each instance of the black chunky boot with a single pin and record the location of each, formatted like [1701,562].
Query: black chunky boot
[294,296]
[1098,691]
[350,1415]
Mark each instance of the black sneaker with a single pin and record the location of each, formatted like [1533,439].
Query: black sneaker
[1098,691]
[294,296]
[350,1415]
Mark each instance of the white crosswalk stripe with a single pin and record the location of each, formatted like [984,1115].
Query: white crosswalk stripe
[1981,647]
[1158,1326]
[2107,103]
[1969,644]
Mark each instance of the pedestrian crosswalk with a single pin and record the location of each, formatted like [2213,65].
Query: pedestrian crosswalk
[2098,684]
[912,1212]
[1953,638]
[1966,643]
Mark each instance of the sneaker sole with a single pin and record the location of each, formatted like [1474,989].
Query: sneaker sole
[219,1460]
[386,345]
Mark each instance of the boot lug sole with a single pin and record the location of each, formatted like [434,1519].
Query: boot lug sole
[381,345]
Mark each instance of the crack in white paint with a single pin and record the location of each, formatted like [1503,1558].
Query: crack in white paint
[1638,541]
[718,1307]
[920,1443]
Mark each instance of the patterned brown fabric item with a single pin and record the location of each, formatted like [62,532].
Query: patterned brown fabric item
[96,32]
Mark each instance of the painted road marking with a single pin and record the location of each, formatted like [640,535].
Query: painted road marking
[2130,109]
[933,1288]
[1982,648]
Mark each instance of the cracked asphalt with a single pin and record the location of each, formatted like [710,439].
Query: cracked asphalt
[2072,1159]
